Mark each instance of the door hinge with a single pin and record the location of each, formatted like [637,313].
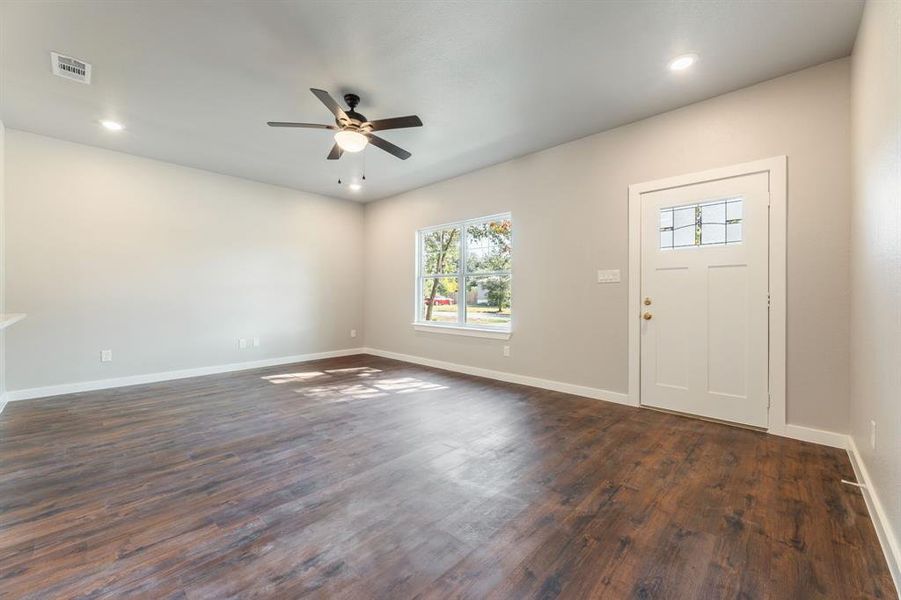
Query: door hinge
[768,302]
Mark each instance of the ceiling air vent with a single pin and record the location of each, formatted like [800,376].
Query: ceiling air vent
[70,68]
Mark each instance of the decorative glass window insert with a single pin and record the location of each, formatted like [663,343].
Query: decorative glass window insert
[464,274]
[707,224]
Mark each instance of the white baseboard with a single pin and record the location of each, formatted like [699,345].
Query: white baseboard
[3,400]
[102,384]
[798,432]
[890,545]
[809,434]
[547,384]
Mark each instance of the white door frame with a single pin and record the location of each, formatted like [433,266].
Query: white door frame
[776,169]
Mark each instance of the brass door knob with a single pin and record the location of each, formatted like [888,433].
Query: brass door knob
[647,316]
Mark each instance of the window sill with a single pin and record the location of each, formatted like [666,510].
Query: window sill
[494,334]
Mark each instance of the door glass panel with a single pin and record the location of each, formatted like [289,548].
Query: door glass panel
[713,234]
[705,224]
[666,238]
[733,221]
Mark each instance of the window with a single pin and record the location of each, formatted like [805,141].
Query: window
[464,274]
[708,224]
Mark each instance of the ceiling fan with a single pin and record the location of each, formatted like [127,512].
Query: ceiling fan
[354,132]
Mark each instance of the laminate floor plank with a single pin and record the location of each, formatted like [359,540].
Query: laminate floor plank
[363,477]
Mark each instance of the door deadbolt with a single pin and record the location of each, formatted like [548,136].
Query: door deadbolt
[647,301]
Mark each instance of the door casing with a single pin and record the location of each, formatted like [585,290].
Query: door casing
[776,169]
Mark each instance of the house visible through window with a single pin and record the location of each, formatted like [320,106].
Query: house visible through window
[464,274]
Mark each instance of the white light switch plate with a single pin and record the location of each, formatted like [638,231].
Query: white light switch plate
[608,276]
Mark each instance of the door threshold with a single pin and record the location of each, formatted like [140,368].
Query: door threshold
[703,418]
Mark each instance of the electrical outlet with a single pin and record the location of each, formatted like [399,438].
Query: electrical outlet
[506,350]
[106,356]
[242,343]
[256,342]
[353,333]
[872,435]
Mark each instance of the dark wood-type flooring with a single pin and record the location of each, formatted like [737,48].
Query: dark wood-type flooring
[362,477]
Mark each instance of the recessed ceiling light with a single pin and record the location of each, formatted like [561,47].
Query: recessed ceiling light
[112,125]
[680,63]
[355,187]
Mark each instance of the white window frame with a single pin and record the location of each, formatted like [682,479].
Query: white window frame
[460,327]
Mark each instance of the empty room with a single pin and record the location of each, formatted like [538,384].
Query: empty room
[494,299]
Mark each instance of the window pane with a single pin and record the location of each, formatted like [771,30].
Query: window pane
[683,226]
[684,236]
[666,239]
[441,251]
[713,213]
[734,221]
[713,233]
[684,216]
[488,301]
[439,299]
[488,246]
[666,218]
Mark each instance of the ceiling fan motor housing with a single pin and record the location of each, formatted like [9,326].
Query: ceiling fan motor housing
[352,101]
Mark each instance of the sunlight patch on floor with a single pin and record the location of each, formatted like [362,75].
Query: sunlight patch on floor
[407,384]
[309,375]
[286,377]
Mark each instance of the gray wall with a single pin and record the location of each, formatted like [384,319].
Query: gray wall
[166,265]
[569,206]
[876,253]
[2,261]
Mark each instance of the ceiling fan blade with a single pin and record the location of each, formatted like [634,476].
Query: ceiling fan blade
[304,125]
[396,123]
[336,152]
[330,103]
[388,147]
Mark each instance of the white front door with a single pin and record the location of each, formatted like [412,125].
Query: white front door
[704,299]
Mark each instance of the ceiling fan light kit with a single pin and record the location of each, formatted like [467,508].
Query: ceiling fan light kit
[354,131]
[351,141]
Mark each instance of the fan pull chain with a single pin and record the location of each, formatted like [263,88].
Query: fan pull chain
[362,171]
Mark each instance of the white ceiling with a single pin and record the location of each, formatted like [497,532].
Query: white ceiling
[194,82]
